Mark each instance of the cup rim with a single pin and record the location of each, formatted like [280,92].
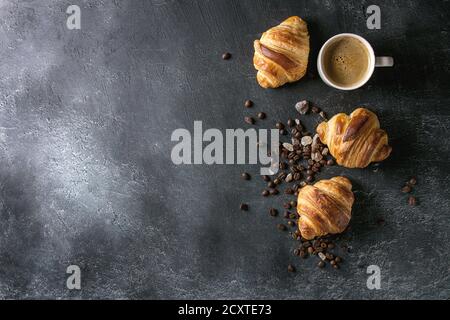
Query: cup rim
[371,66]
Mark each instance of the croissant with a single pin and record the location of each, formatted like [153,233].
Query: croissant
[355,140]
[324,207]
[281,55]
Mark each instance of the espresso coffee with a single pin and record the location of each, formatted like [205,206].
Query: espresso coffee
[346,61]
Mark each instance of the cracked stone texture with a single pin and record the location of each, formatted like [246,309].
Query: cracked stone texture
[86,177]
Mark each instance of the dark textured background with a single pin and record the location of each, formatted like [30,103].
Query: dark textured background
[86,177]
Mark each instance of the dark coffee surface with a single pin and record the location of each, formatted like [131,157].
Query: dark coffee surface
[346,61]
[85,171]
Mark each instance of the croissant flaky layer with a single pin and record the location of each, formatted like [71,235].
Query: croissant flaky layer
[325,207]
[281,55]
[355,140]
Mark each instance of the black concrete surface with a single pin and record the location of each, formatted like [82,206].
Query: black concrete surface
[86,176]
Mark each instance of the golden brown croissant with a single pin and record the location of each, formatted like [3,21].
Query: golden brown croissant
[324,207]
[355,140]
[281,55]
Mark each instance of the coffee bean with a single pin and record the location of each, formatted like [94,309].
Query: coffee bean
[279,125]
[291,223]
[271,184]
[289,191]
[226,56]
[329,256]
[330,162]
[266,178]
[243,207]
[287,205]
[336,266]
[277,181]
[291,268]
[286,214]
[303,254]
[321,264]
[281,227]
[245,176]
[293,203]
[315,109]
[265,193]
[290,123]
[273,212]
[310,250]
[331,246]
[248,103]
[296,252]
[261,115]
[309,178]
[412,181]
[338,259]
[249,120]
[302,107]
[274,192]
[283,132]
[406,189]
[323,115]
[332,262]
[412,201]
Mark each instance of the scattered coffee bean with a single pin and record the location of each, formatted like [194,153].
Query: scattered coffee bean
[412,201]
[274,192]
[332,262]
[330,162]
[265,193]
[271,184]
[309,178]
[323,115]
[279,125]
[412,181]
[293,204]
[338,259]
[245,176]
[281,227]
[249,120]
[406,189]
[273,212]
[302,107]
[321,264]
[266,178]
[291,223]
[290,123]
[248,103]
[310,250]
[296,252]
[261,115]
[336,266]
[291,268]
[315,109]
[243,207]
[303,254]
[226,56]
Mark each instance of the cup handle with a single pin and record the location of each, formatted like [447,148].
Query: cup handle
[384,62]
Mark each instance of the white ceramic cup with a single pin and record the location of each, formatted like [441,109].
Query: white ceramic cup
[373,62]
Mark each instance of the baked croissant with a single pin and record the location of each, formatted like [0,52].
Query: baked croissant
[281,55]
[355,140]
[324,207]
